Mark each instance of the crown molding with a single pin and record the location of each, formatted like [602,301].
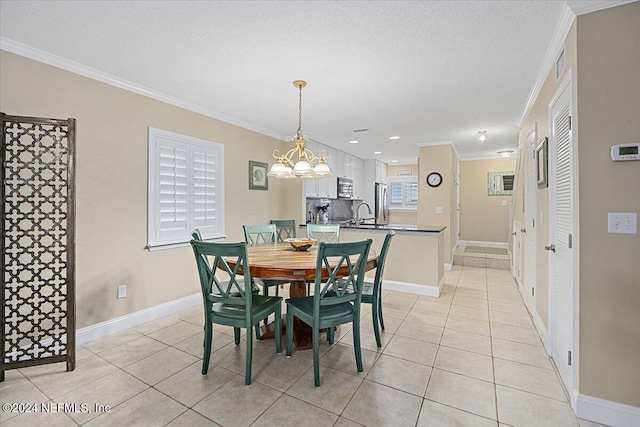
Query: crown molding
[74,67]
[582,7]
[489,157]
[557,44]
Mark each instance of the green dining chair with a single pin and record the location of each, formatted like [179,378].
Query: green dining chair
[372,291]
[285,229]
[255,289]
[226,302]
[335,301]
[329,233]
[254,234]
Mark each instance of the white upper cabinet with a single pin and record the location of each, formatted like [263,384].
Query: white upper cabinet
[357,175]
[381,171]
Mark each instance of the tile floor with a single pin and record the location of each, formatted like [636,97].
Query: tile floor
[469,358]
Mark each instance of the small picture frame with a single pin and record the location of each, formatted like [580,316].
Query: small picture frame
[542,163]
[258,179]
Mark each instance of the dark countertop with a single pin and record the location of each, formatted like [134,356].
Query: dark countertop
[388,227]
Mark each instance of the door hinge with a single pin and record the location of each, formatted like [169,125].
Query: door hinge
[533,222]
[533,292]
[569,358]
[570,241]
[570,126]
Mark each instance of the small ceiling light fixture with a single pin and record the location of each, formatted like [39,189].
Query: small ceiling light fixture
[505,153]
[482,135]
[394,137]
[377,152]
[285,167]
[353,142]
[394,161]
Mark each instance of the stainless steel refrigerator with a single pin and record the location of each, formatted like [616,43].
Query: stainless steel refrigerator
[382,203]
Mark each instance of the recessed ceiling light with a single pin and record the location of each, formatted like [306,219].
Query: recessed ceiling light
[377,152]
[482,135]
[394,137]
[394,161]
[353,142]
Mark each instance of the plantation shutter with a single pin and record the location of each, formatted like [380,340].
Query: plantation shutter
[412,193]
[206,164]
[173,203]
[395,189]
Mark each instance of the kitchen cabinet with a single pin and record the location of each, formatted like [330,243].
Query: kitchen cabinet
[357,175]
[374,171]
[326,188]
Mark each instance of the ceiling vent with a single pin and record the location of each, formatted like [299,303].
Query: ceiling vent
[361,130]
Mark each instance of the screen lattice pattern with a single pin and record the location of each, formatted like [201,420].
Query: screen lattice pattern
[35,232]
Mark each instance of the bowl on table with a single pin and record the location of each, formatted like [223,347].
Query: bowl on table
[301,243]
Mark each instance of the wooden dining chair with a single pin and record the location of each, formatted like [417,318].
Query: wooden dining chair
[227,302]
[335,300]
[329,233]
[285,229]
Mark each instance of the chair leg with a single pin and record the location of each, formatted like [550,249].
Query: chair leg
[278,325]
[356,343]
[380,312]
[208,335]
[247,375]
[289,331]
[265,292]
[331,334]
[316,356]
[236,335]
[376,330]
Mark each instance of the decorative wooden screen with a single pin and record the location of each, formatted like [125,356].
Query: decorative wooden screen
[38,242]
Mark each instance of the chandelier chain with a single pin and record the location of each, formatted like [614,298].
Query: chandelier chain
[299,111]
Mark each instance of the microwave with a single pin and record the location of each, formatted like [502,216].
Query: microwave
[345,188]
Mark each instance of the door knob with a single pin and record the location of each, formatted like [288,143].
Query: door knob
[514,233]
[551,248]
[523,230]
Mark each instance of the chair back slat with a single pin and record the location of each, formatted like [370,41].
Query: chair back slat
[377,282]
[254,234]
[285,229]
[231,290]
[334,290]
[329,233]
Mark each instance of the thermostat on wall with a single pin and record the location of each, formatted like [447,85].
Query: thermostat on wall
[625,151]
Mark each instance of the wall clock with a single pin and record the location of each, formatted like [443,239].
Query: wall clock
[434,179]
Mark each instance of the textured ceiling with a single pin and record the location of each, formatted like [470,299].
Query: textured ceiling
[425,71]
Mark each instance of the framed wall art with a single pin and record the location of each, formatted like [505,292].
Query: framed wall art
[258,179]
[542,164]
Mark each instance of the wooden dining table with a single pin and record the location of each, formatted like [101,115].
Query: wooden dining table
[280,261]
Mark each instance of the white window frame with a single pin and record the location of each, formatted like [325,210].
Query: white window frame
[192,149]
[404,180]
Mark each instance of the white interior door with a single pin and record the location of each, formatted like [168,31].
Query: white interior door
[530,203]
[561,233]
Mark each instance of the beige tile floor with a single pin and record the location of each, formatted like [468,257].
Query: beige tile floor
[469,358]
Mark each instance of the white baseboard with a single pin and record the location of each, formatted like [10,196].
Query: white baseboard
[607,412]
[448,266]
[413,288]
[127,321]
[501,245]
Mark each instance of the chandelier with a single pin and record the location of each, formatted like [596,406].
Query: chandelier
[299,162]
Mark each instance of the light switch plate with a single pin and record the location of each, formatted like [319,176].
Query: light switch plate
[623,223]
[122,291]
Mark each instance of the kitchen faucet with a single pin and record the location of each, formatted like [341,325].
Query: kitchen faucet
[357,210]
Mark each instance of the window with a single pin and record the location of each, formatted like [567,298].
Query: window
[403,192]
[186,188]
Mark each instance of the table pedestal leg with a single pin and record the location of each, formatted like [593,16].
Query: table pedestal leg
[302,333]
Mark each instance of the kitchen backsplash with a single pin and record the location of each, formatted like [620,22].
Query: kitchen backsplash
[338,209]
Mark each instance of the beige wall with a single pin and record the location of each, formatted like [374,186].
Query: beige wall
[398,216]
[112,183]
[609,113]
[483,217]
[442,159]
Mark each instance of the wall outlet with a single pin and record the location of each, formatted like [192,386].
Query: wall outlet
[504,203]
[623,223]
[122,291]
[439,209]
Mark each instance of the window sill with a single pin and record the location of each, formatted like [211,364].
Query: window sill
[161,247]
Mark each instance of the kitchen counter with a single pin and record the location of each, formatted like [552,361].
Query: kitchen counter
[432,229]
